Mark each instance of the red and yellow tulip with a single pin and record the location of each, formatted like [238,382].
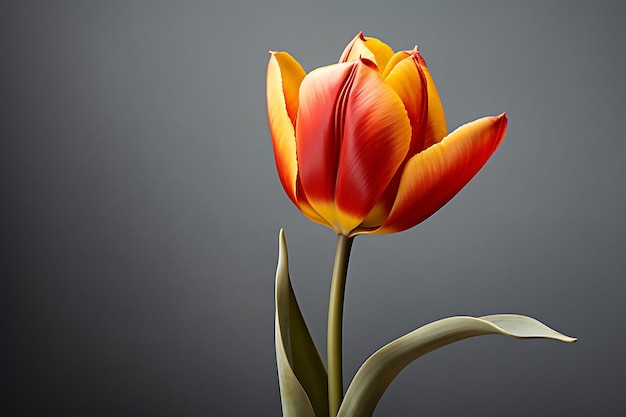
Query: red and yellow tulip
[361,146]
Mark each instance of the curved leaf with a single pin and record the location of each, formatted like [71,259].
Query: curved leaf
[375,375]
[301,371]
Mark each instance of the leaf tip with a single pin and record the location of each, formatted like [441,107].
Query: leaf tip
[523,327]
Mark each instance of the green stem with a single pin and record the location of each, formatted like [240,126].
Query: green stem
[335,315]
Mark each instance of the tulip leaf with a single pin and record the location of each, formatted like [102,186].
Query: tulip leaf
[375,375]
[301,372]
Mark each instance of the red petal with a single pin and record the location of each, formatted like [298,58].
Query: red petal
[405,76]
[432,177]
[352,134]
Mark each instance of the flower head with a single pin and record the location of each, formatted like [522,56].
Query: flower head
[361,146]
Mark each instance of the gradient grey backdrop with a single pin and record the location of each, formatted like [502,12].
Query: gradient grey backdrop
[142,207]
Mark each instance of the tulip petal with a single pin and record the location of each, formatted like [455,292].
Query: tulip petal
[356,49]
[284,76]
[316,141]
[432,177]
[404,75]
[352,134]
[436,128]
[370,48]
[409,82]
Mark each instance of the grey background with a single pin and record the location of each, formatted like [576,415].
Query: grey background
[141,208]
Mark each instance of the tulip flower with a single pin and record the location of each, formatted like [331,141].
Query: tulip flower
[361,146]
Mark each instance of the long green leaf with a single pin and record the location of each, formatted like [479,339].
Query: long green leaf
[301,371]
[375,375]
